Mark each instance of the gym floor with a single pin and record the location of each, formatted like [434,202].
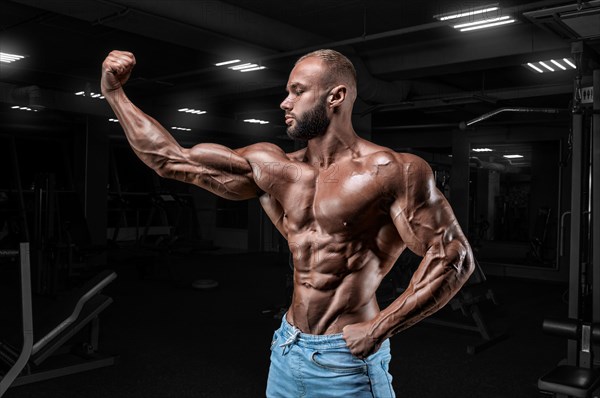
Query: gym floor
[175,341]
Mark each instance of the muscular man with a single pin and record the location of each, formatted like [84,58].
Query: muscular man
[347,207]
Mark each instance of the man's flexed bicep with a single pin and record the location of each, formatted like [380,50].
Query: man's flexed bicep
[216,168]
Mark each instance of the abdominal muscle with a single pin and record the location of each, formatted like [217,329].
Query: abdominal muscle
[335,291]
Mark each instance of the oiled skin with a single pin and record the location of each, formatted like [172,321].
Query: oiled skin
[347,207]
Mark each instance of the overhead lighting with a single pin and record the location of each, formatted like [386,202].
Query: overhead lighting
[462,14]
[480,22]
[256,121]
[482,150]
[243,66]
[558,64]
[113,120]
[92,95]
[253,69]
[545,65]
[8,58]
[231,61]
[246,67]
[193,111]
[488,25]
[476,18]
[513,156]
[180,128]
[23,108]
[568,62]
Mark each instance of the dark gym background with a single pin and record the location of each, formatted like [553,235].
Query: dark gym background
[201,280]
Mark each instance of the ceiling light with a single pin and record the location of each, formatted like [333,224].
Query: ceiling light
[544,66]
[488,25]
[513,156]
[243,66]
[568,62]
[114,120]
[253,69]
[246,67]
[232,61]
[8,58]
[558,64]
[181,128]
[193,111]
[482,150]
[461,14]
[93,95]
[532,66]
[256,121]
[23,108]
[481,21]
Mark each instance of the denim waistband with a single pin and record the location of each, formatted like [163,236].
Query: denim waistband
[315,341]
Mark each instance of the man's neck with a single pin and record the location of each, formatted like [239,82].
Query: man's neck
[335,144]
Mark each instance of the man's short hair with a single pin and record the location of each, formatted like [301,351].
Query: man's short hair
[340,68]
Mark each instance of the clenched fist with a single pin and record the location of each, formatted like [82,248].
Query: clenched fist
[116,70]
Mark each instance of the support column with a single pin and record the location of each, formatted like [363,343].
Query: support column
[575,241]
[596,207]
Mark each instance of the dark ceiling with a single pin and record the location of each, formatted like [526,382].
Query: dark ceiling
[413,69]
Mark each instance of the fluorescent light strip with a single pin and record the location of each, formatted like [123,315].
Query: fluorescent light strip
[253,69]
[193,111]
[114,120]
[23,108]
[482,150]
[256,121]
[513,156]
[233,61]
[568,62]
[466,14]
[546,66]
[181,128]
[242,66]
[535,68]
[558,64]
[488,25]
[8,58]
[92,95]
[481,21]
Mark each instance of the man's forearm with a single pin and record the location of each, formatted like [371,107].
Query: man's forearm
[436,281]
[150,141]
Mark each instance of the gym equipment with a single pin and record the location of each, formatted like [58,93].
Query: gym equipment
[578,375]
[574,381]
[50,337]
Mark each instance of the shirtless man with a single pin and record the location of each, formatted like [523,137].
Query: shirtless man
[347,207]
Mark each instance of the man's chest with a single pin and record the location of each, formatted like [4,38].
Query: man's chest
[332,200]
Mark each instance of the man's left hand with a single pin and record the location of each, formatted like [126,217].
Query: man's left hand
[360,343]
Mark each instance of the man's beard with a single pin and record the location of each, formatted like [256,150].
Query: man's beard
[312,124]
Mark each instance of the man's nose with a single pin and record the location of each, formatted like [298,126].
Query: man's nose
[286,104]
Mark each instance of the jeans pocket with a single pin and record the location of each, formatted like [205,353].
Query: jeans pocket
[339,362]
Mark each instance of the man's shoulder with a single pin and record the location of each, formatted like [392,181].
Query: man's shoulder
[263,152]
[376,155]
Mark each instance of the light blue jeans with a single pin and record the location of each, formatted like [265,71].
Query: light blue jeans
[321,366]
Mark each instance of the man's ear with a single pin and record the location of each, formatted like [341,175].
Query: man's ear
[336,96]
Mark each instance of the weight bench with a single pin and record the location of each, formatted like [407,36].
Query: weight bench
[67,317]
[579,381]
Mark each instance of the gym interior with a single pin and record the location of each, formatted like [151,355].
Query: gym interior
[115,282]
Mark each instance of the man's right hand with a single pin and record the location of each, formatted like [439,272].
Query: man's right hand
[116,70]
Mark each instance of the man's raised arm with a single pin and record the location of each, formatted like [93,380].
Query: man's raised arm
[214,167]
